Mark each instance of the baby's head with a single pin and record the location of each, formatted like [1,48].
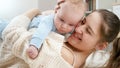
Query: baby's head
[68,14]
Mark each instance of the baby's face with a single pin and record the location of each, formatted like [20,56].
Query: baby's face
[64,23]
[67,17]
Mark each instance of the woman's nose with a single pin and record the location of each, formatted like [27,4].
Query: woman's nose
[79,30]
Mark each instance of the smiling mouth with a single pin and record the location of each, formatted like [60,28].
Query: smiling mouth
[76,36]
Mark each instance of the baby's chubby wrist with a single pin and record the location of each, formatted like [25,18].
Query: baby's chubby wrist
[33,46]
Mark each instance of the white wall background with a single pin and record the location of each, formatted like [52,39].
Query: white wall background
[118,1]
[104,4]
[46,4]
[11,8]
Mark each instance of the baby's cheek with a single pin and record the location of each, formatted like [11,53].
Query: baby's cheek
[72,29]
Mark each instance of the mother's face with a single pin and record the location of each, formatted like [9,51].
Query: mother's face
[87,33]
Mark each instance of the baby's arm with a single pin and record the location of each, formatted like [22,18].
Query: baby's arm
[45,26]
[3,24]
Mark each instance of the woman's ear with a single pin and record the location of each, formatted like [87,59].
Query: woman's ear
[101,46]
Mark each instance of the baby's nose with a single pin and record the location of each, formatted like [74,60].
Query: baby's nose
[64,26]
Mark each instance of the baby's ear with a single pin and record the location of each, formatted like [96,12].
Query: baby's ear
[101,46]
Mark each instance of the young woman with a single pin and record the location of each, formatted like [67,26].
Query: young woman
[94,32]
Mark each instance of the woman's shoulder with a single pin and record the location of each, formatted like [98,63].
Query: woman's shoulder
[97,59]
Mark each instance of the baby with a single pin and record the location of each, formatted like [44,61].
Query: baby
[67,15]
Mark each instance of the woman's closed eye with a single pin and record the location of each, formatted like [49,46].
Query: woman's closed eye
[88,31]
[71,25]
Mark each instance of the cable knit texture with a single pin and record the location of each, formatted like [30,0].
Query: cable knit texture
[16,41]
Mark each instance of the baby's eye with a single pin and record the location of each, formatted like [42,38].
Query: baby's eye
[71,25]
[61,20]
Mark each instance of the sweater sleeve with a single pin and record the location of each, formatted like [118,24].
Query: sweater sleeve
[17,35]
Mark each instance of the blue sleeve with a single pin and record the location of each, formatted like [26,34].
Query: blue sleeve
[42,31]
[3,24]
[35,21]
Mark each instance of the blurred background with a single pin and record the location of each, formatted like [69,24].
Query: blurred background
[11,8]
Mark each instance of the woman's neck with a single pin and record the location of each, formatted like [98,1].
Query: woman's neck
[77,50]
[78,57]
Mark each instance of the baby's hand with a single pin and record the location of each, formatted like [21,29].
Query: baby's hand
[32,52]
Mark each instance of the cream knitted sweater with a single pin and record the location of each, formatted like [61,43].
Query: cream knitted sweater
[16,40]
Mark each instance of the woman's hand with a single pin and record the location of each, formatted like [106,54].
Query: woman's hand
[32,13]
